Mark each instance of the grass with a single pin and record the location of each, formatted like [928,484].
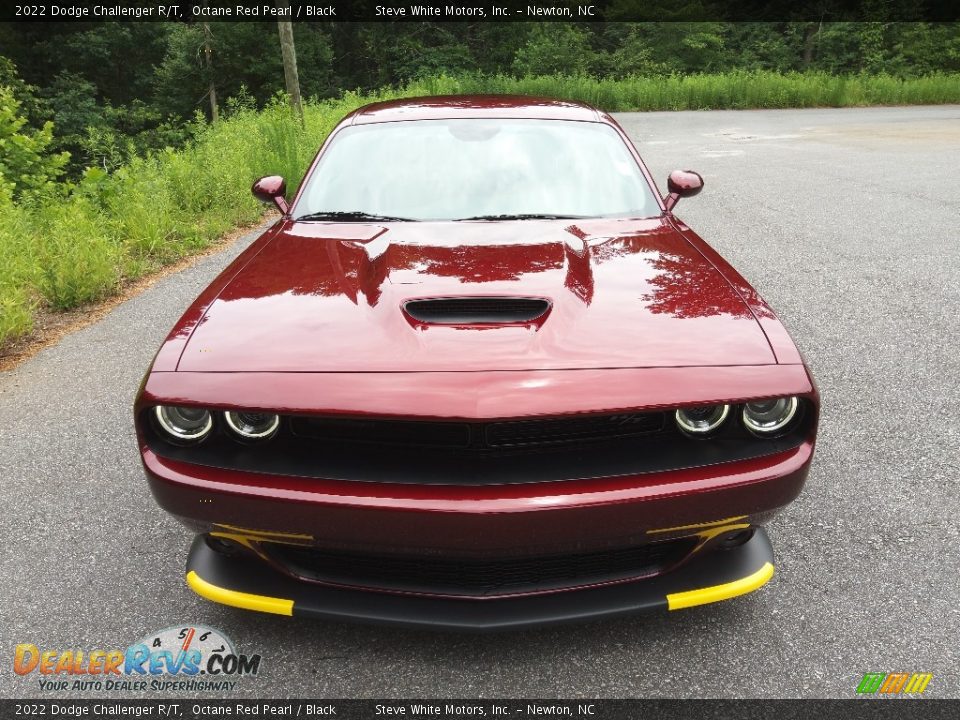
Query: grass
[735,90]
[86,242]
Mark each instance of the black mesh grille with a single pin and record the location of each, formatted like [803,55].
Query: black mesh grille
[574,429]
[460,452]
[476,310]
[384,432]
[492,435]
[480,577]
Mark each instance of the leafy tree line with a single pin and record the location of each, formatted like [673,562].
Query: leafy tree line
[104,92]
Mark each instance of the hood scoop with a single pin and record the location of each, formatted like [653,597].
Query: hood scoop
[477,311]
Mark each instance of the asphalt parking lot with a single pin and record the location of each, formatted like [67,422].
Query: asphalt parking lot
[847,221]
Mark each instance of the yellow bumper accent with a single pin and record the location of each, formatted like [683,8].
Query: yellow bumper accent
[697,526]
[247,601]
[265,534]
[716,593]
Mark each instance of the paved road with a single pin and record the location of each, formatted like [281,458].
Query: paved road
[846,220]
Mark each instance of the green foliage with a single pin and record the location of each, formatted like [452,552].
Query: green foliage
[918,49]
[554,48]
[114,226]
[757,48]
[738,90]
[75,107]
[16,312]
[33,107]
[394,53]
[688,47]
[99,133]
[116,57]
[16,263]
[26,166]
[246,55]
[629,54]
[77,258]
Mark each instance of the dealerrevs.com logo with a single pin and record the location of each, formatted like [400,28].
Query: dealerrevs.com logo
[177,658]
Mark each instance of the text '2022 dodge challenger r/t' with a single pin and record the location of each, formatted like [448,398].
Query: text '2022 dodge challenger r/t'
[478,376]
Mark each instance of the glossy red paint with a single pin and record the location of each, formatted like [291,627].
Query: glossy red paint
[682,184]
[644,315]
[780,341]
[476,106]
[486,520]
[272,189]
[476,395]
[631,293]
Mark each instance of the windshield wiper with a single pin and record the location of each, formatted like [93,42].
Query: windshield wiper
[525,216]
[351,216]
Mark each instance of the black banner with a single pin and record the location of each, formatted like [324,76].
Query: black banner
[481,10]
[255,709]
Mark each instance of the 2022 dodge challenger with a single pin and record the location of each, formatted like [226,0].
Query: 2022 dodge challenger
[478,375]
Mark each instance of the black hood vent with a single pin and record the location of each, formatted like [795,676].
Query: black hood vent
[476,310]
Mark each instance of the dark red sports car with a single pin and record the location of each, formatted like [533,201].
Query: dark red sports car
[478,375]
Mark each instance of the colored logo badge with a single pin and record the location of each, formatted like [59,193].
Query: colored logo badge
[894,683]
[195,656]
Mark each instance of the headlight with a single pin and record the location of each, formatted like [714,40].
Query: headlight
[184,424]
[766,417]
[252,425]
[702,420]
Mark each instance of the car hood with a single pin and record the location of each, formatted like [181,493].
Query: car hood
[329,298]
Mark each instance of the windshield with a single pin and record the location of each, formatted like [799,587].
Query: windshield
[476,169]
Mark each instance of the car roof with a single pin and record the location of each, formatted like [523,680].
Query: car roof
[474,106]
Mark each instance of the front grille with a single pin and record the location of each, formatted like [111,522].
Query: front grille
[460,452]
[383,432]
[573,429]
[471,577]
[479,435]
[476,310]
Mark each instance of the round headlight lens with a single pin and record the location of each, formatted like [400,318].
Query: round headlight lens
[252,425]
[702,420]
[184,424]
[766,417]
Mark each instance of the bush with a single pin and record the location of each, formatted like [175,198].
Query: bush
[78,260]
[26,165]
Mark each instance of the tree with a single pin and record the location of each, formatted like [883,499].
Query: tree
[75,109]
[241,60]
[378,54]
[33,106]
[627,53]
[554,48]
[685,47]
[26,165]
[208,67]
[118,58]
[289,53]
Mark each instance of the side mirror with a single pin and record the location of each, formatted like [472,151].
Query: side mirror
[272,188]
[681,184]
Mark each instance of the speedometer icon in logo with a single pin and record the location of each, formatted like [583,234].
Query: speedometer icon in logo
[189,650]
[183,639]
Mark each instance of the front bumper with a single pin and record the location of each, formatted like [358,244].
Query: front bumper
[477,521]
[706,578]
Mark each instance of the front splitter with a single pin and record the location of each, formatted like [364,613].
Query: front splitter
[711,577]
